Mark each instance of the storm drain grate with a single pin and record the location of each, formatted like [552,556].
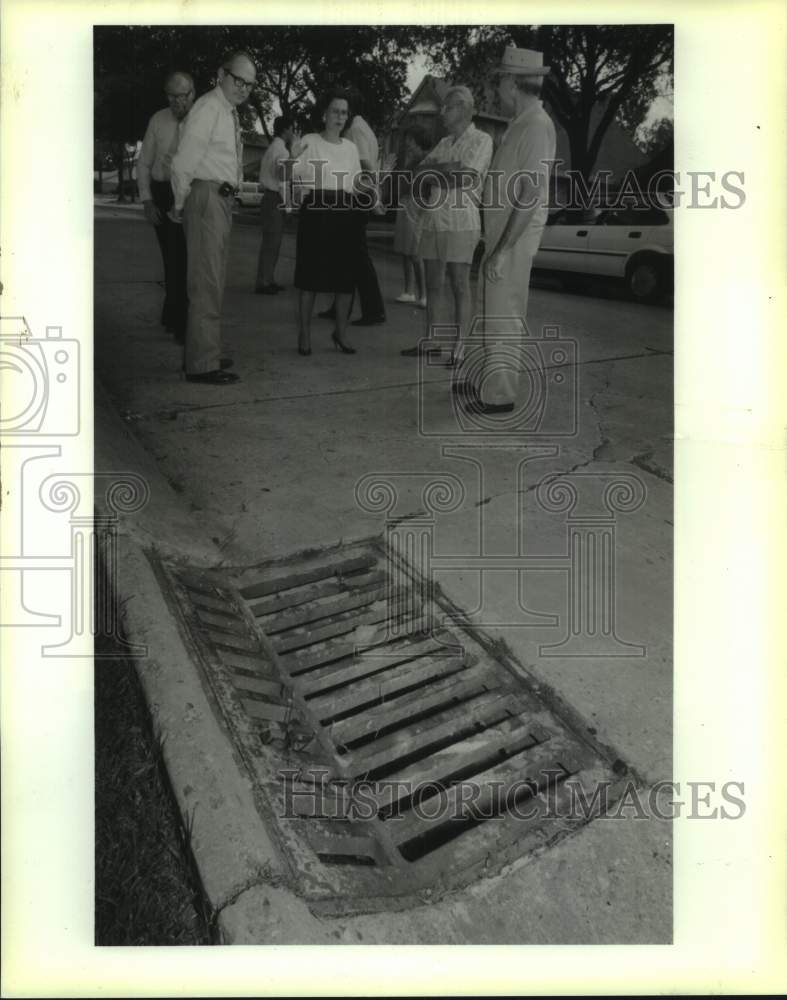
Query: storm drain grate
[393,748]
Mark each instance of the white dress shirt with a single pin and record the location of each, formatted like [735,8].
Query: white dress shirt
[158,148]
[270,175]
[207,150]
[327,165]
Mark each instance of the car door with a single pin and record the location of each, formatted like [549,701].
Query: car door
[616,235]
[565,241]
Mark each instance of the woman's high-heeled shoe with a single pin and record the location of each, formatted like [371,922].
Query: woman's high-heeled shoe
[304,351]
[340,345]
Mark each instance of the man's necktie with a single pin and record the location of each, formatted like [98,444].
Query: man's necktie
[238,146]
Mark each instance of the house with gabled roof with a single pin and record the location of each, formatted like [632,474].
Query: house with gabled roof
[618,154]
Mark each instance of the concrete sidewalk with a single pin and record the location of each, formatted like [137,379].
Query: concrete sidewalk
[270,466]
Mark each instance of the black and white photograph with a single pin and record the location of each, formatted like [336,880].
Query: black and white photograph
[393,589]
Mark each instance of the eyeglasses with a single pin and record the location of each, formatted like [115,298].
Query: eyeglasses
[179,97]
[240,83]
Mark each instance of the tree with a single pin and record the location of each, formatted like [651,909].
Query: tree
[307,61]
[598,73]
[657,136]
[295,65]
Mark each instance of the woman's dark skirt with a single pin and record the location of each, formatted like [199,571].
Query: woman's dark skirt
[328,243]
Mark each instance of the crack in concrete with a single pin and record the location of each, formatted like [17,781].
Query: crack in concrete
[645,462]
[596,456]
[405,517]
[172,413]
[605,442]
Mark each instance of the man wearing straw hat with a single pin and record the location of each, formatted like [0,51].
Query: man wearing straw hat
[515,212]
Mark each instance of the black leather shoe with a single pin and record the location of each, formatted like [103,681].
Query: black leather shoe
[368,321]
[278,287]
[327,313]
[218,377]
[267,290]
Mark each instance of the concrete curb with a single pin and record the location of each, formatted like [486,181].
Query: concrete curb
[230,845]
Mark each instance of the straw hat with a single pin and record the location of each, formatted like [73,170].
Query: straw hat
[522,62]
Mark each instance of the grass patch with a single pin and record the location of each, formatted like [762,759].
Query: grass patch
[147,891]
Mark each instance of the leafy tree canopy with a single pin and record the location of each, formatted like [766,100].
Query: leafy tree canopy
[598,73]
[657,136]
[294,66]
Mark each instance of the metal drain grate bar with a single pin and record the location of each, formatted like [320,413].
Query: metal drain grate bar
[207,602]
[354,667]
[298,596]
[487,794]
[329,628]
[369,665]
[311,611]
[422,738]
[453,690]
[461,760]
[391,652]
[233,642]
[222,622]
[248,662]
[288,581]
[399,679]
[302,660]
[260,685]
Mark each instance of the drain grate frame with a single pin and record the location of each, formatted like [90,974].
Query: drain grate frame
[344,671]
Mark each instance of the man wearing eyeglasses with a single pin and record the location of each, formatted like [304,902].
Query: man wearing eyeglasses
[155,191]
[206,174]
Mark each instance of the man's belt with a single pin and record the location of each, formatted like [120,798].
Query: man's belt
[224,188]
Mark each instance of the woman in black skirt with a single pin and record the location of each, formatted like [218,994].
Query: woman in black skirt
[328,170]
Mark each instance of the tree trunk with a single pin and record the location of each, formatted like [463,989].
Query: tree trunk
[120,178]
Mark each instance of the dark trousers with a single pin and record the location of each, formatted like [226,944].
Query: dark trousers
[272,218]
[366,282]
[172,243]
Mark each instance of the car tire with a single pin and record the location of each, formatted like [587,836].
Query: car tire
[645,279]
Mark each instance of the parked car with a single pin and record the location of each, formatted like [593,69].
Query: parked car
[633,244]
[250,194]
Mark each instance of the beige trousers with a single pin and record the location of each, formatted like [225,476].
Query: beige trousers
[207,220]
[503,305]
